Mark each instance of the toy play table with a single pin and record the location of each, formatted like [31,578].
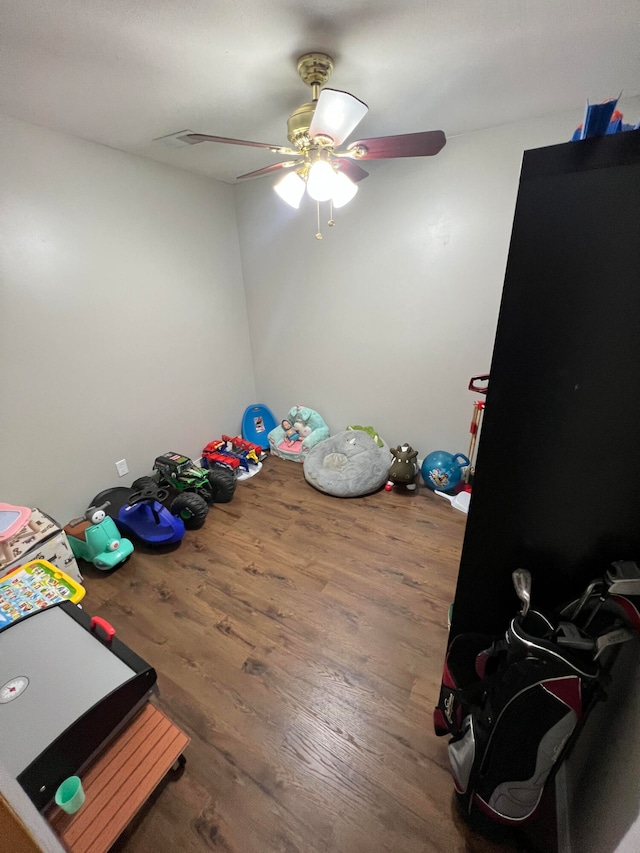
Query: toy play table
[120,781]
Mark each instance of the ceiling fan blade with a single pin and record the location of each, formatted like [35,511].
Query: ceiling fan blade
[267,170]
[423,144]
[336,115]
[205,137]
[351,169]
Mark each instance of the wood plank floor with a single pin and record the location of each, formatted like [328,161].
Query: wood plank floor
[298,640]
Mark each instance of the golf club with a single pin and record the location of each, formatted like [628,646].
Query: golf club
[522,585]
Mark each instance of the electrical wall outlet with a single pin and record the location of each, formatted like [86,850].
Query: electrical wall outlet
[122,468]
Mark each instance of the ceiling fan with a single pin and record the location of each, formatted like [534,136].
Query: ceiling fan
[316,130]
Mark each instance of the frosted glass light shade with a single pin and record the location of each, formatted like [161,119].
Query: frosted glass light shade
[344,190]
[336,115]
[321,182]
[291,189]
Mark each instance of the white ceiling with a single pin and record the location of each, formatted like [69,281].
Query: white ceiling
[124,72]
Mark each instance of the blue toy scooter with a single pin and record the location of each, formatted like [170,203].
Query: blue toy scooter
[145,517]
[140,513]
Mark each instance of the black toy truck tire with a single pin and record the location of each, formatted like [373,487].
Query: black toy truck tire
[142,482]
[205,492]
[223,484]
[193,507]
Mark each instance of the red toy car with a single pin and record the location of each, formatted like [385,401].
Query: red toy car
[215,454]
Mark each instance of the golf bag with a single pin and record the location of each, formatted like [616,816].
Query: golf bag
[609,608]
[513,705]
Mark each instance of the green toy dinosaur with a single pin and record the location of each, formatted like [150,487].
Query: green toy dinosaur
[370,431]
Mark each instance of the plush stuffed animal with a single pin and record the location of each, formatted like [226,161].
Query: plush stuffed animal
[302,429]
[370,431]
[306,427]
[404,468]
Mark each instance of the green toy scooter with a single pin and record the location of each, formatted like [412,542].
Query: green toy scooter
[96,539]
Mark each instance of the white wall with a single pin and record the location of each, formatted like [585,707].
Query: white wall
[386,319]
[123,325]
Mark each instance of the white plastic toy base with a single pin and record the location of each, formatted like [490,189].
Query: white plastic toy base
[253,470]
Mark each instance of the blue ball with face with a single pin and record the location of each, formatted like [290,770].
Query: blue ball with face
[443,471]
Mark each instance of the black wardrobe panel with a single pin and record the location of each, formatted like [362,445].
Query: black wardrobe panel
[557,484]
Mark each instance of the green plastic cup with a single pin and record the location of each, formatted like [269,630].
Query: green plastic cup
[70,795]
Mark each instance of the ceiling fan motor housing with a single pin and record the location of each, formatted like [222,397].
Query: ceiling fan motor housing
[314,70]
[298,125]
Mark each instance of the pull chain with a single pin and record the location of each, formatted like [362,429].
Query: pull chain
[331,221]
[319,234]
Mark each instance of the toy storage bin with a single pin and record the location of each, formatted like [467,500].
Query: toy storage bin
[40,539]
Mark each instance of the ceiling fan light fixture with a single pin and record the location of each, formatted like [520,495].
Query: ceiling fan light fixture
[291,189]
[321,182]
[344,191]
[316,130]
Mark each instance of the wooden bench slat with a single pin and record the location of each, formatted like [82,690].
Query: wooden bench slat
[125,785]
[120,781]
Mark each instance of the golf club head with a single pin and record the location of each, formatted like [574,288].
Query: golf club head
[613,638]
[624,578]
[522,585]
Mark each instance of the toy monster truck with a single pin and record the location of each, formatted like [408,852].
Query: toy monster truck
[215,486]
[197,487]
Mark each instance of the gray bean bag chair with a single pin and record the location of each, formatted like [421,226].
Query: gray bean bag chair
[348,464]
